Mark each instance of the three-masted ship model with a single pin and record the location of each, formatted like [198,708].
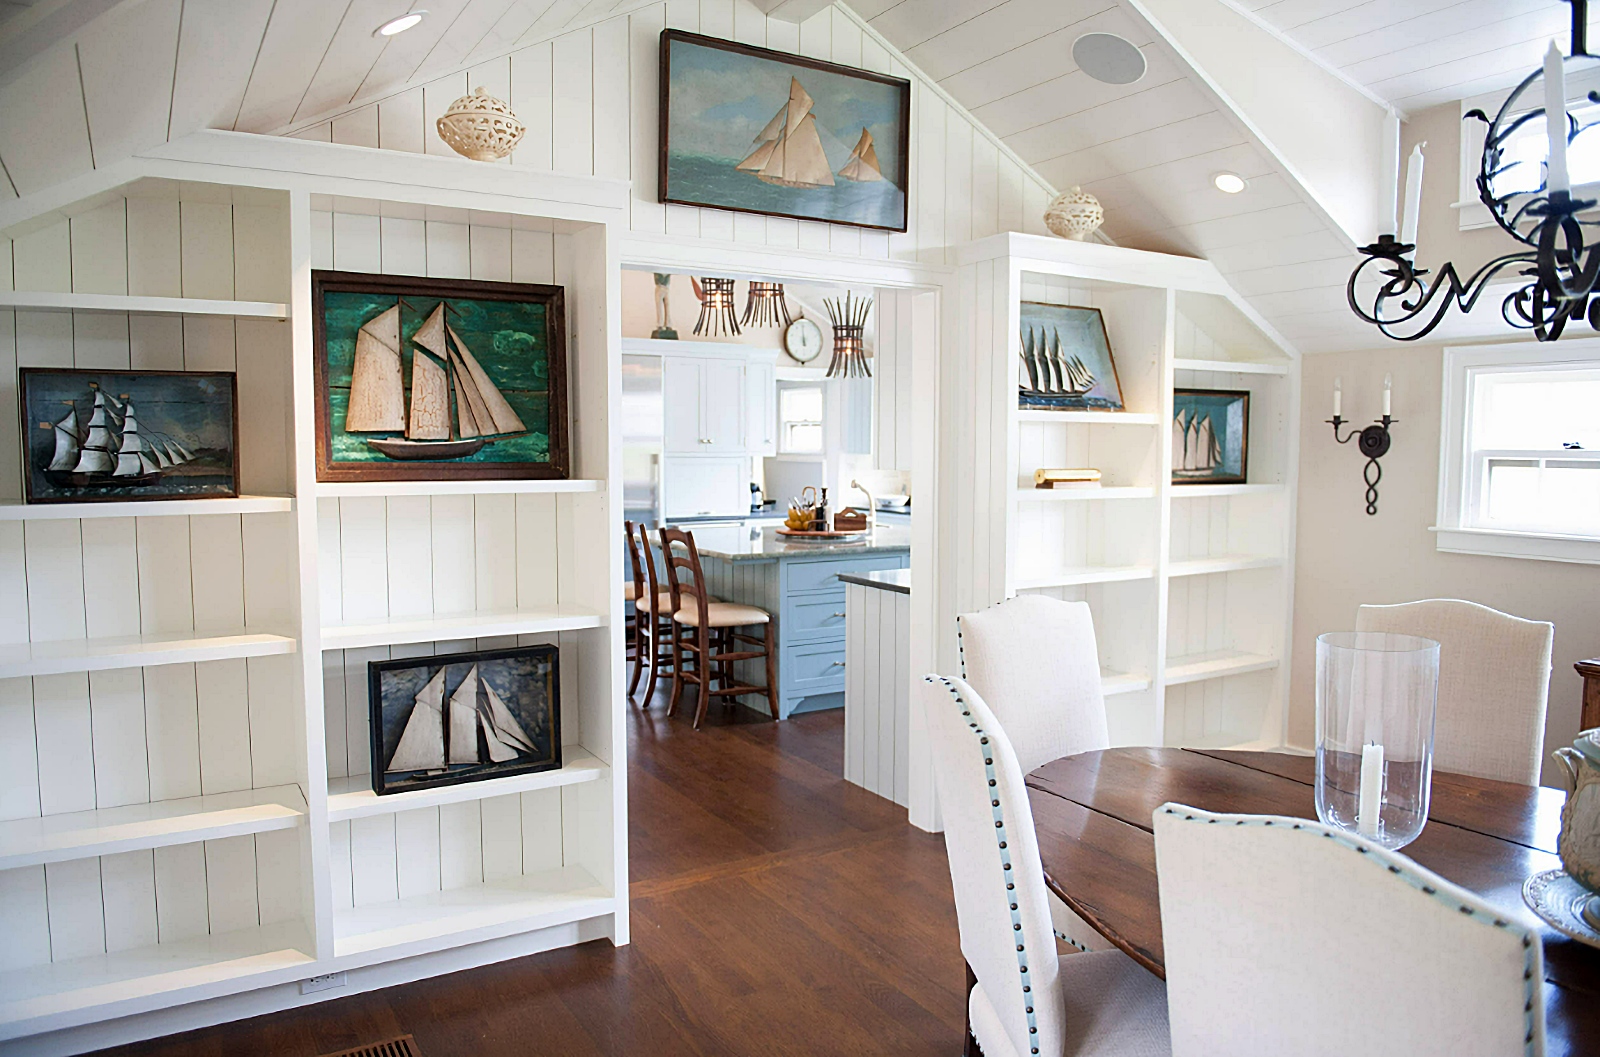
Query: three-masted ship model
[107,449]
[441,361]
[443,733]
[1196,452]
[788,151]
[1048,372]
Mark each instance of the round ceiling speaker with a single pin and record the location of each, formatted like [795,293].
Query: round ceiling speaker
[1108,58]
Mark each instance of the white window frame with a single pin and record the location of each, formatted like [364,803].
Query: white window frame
[1472,213]
[1460,469]
[783,432]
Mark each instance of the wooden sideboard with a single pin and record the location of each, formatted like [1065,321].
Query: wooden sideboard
[1590,716]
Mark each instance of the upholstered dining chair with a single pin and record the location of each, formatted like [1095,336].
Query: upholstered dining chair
[1494,684]
[1284,936]
[1027,999]
[1035,661]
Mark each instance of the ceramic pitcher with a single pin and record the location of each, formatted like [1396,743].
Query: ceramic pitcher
[1579,843]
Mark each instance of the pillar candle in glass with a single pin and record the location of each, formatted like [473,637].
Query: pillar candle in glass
[1376,698]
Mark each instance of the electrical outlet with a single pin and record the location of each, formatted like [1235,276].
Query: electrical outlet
[325,982]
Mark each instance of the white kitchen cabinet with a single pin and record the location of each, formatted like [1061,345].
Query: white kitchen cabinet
[703,402]
[722,405]
[682,383]
[761,416]
[699,484]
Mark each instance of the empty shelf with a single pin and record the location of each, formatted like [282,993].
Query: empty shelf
[1068,495]
[433,627]
[188,306]
[1092,574]
[1193,667]
[1121,682]
[135,651]
[1230,366]
[353,797]
[1102,418]
[1221,563]
[356,489]
[1198,491]
[12,510]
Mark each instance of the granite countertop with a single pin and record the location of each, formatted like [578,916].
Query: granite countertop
[897,580]
[734,544]
[766,514]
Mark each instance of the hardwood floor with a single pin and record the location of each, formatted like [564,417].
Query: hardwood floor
[777,910]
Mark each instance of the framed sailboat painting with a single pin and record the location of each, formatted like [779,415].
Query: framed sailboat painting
[464,717]
[438,379]
[761,131]
[1210,436]
[127,436]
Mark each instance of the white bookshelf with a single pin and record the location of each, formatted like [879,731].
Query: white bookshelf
[186,810]
[1189,585]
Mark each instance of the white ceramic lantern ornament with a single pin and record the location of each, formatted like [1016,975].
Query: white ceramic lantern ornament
[481,127]
[1074,215]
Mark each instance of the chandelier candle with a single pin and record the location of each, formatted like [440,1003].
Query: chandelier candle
[1389,188]
[1408,227]
[1555,119]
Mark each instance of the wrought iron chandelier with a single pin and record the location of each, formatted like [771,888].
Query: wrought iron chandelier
[1558,266]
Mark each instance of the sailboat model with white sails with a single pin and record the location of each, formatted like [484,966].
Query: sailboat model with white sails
[431,431]
[108,449]
[863,164]
[1195,449]
[788,150]
[441,734]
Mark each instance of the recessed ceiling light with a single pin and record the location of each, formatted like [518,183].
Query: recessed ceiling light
[399,25]
[1108,58]
[1229,182]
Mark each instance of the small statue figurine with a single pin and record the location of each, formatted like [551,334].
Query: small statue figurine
[664,308]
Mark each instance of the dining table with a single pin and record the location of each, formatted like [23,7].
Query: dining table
[1092,813]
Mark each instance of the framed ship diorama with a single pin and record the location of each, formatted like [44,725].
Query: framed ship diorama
[464,717]
[128,436]
[438,379]
[762,131]
[1066,360]
[1210,436]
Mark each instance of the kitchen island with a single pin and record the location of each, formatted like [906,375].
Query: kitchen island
[877,697]
[800,585]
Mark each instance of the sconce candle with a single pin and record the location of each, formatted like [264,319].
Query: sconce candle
[1388,384]
[1338,396]
[1373,442]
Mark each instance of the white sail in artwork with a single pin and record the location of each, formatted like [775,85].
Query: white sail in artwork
[1191,440]
[499,751]
[421,745]
[464,720]
[1205,452]
[377,396]
[131,458]
[1179,433]
[768,138]
[504,723]
[863,164]
[797,158]
[98,447]
[66,437]
[498,410]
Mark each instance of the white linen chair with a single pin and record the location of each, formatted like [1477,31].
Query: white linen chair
[1494,684]
[1283,936]
[1035,662]
[1027,999]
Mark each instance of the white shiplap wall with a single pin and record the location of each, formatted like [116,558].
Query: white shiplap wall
[589,99]
[79,741]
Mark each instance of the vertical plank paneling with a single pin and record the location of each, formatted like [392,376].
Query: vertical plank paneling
[417,851]
[224,714]
[372,858]
[460,845]
[77,909]
[116,710]
[531,98]
[644,43]
[572,122]
[19,761]
[128,888]
[172,731]
[24,918]
[66,754]
[611,98]
[181,904]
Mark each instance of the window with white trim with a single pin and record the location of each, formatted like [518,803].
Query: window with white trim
[800,419]
[1528,147]
[1521,473]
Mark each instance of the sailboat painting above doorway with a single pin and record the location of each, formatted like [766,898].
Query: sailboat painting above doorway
[438,379]
[464,717]
[1210,436]
[762,131]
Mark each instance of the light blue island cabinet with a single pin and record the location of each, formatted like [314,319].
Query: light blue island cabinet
[798,583]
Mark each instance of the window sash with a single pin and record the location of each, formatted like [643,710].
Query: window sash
[1482,461]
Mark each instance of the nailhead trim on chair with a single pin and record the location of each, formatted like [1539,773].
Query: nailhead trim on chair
[1530,986]
[1005,860]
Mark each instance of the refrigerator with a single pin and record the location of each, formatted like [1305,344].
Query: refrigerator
[642,426]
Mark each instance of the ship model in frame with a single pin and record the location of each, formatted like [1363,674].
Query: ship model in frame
[107,449]
[1048,371]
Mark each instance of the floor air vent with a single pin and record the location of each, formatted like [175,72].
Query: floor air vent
[401,1046]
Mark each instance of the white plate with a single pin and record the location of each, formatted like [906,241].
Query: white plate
[1558,899]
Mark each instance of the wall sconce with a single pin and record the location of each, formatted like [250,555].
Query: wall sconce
[716,306]
[1373,442]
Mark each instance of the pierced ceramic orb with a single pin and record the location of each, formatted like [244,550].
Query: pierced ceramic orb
[1074,215]
[481,127]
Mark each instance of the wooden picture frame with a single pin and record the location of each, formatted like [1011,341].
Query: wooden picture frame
[339,460]
[175,454]
[863,191]
[1215,462]
[490,698]
[1041,322]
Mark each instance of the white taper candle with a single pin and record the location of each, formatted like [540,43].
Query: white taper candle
[1555,116]
[1369,808]
[1389,179]
[1408,226]
[1338,396]
[1388,383]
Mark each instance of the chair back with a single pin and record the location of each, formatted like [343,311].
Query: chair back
[684,573]
[628,534]
[1035,661]
[1001,905]
[1285,936]
[1494,684]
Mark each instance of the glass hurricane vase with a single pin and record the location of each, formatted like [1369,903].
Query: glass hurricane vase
[1376,699]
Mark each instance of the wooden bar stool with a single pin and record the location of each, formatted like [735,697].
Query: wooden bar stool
[708,633]
[652,613]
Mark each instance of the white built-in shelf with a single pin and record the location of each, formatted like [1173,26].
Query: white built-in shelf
[13,510]
[1222,563]
[136,827]
[1103,418]
[1193,667]
[1078,495]
[353,797]
[135,651]
[401,928]
[357,489]
[1092,574]
[188,306]
[121,983]
[1201,491]
[1230,366]
[435,627]
[1112,682]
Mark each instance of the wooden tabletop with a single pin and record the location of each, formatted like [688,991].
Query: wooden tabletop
[1092,814]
